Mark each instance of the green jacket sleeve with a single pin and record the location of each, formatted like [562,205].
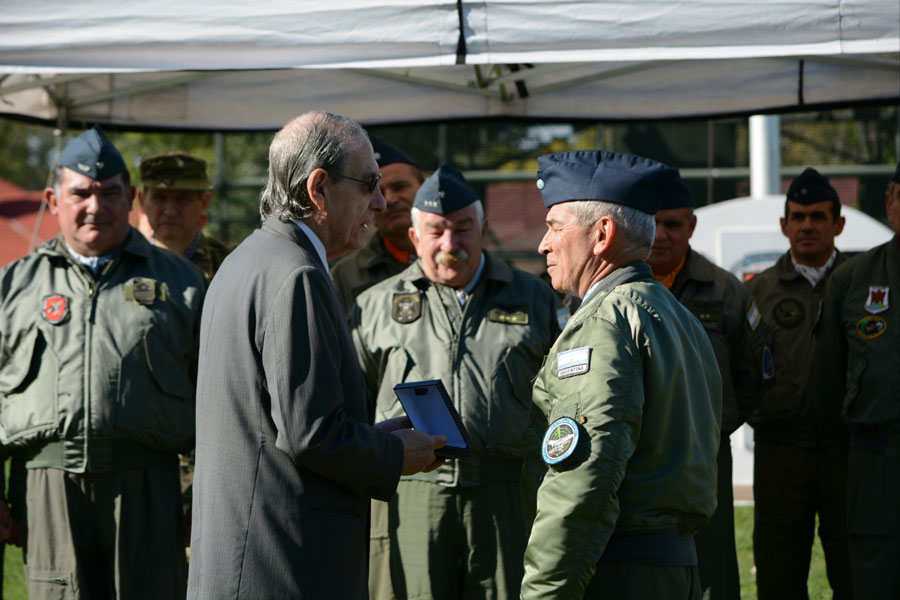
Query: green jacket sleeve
[577,509]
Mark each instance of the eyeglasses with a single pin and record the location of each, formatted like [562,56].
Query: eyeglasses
[372,183]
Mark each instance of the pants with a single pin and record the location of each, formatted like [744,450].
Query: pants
[632,581]
[790,486]
[99,536]
[716,550]
[874,516]
[455,542]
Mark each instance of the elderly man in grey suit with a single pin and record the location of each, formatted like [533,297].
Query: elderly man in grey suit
[287,458]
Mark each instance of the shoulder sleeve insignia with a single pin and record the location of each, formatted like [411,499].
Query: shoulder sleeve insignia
[406,307]
[560,443]
[573,362]
[753,316]
[512,317]
[877,302]
[55,308]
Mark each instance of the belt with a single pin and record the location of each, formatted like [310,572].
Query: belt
[665,547]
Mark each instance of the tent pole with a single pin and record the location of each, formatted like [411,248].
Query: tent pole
[765,155]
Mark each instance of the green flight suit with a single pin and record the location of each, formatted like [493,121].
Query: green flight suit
[635,372]
[800,447]
[360,270]
[735,328]
[857,353]
[459,531]
[97,380]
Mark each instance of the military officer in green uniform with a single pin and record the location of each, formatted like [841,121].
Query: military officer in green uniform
[800,445]
[733,322]
[99,335]
[482,327]
[630,390]
[857,357]
[389,251]
[175,196]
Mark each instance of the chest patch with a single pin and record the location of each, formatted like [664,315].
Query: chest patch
[877,302]
[560,442]
[55,308]
[141,290]
[573,362]
[870,328]
[406,308]
[512,317]
[788,313]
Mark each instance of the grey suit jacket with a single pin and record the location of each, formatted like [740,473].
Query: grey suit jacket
[286,457]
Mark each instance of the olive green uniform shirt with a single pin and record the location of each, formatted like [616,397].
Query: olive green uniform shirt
[360,270]
[629,369]
[98,373]
[735,328]
[788,412]
[410,329]
[857,353]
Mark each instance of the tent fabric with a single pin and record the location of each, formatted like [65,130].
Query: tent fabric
[213,64]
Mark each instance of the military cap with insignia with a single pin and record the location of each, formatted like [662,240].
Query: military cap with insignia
[387,154]
[679,195]
[446,191]
[174,170]
[624,179]
[810,187]
[92,154]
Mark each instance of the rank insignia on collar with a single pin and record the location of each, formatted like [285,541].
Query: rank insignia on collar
[870,328]
[560,442]
[877,302]
[406,307]
[573,362]
[141,290]
[55,308]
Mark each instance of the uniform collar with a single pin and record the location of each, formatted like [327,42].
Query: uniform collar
[633,271]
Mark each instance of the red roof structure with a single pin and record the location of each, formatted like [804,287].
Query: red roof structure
[19,213]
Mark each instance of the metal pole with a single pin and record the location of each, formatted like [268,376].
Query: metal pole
[765,155]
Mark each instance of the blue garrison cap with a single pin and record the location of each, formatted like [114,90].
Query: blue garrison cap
[93,155]
[810,187]
[679,195]
[625,179]
[446,191]
[387,154]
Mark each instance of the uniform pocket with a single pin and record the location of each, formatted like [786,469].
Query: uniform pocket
[28,391]
[509,404]
[399,367]
[49,585]
[156,396]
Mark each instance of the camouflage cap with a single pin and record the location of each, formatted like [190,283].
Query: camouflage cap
[174,170]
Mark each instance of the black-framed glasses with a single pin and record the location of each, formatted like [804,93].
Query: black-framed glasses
[372,183]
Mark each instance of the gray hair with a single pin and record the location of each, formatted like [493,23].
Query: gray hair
[479,215]
[638,227]
[314,140]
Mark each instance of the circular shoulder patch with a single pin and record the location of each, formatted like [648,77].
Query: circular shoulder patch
[870,327]
[560,441]
[788,313]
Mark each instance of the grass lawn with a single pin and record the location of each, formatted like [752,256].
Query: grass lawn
[14,579]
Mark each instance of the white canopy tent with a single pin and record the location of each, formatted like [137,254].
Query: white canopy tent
[225,64]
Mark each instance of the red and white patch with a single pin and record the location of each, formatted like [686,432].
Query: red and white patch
[878,300]
[55,308]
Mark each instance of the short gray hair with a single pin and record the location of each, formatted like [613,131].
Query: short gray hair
[314,140]
[638,227]
[479,215]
